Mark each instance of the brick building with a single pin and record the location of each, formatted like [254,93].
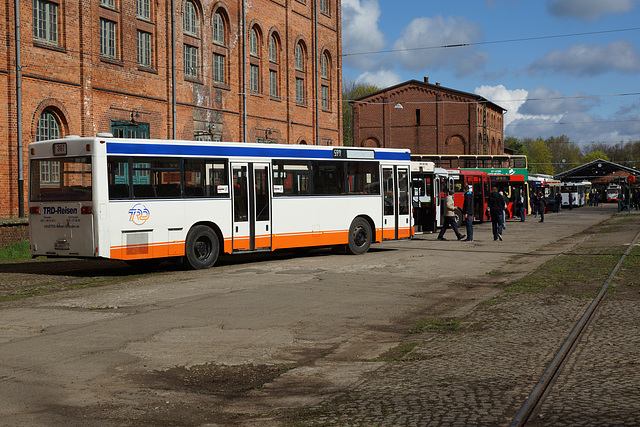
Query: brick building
[234,70]
[428,119]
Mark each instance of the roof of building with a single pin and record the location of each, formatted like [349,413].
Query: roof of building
[595,169]
[477,98]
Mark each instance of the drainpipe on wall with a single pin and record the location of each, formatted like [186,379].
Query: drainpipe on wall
[244,71]
[19,112]
[173,69]
[315,74]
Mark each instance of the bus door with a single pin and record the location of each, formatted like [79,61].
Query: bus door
[251,207]
[478,201]
[437,202]
[396,223]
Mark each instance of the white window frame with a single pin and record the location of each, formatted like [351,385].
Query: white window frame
[324,94]
[273,83]
[273,49]
[144,49]
[143,9]
[218,29]
[218,68]
[191,25]
[108,38]
[108,3]
[299,57]
[191,61]
[45,21]
[254,78]
[253,42]
[300,92]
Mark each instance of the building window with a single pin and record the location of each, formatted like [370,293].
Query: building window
[144,9]
[108,3]
[273,49]
[144,49]
[253,43]
[254,78]
[218,68]
[325,97]
[107,38]
[190,21]
[45,21]
[48,127]
[273,83]
[218,29]
[299,58]
[125,129]
[323,6]
[324,69]
[190,61]
[299,91]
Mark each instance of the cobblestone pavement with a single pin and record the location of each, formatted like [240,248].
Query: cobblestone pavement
[478,370]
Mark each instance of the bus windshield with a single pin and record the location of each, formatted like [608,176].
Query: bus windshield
[61,179]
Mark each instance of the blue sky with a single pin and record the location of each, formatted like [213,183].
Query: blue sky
[560,67]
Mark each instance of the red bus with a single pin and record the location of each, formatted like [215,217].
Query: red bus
[479,182]
[512,186]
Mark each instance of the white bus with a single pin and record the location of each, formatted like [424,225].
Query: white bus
[575,192]
[428,184]
[134,199]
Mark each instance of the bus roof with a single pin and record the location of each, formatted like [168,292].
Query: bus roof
[149,147]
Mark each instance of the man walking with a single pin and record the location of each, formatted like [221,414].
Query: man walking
[449,218]
[467,212]
[496,207]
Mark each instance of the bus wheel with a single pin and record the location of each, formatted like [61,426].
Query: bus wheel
[202,247]
[458,215]
[360,237]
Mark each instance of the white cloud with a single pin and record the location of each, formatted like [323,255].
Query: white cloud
[435,32]
[360,32]
[510,100]
[543,102]
[588,10]
[591,60]
[381,78]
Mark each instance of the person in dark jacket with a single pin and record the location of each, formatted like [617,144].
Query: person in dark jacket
[467,212]
[542,205]
[496,207]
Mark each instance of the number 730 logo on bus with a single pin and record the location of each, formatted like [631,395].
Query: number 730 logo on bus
[139,214]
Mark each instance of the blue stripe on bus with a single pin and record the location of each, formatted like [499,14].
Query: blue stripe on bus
[125,148]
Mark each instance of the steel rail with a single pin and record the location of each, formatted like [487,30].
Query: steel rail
[536,394]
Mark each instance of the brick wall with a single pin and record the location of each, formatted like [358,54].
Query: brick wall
[13,231]
[432,120]
[86,91]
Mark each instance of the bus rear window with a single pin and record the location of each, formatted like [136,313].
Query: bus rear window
[59,180]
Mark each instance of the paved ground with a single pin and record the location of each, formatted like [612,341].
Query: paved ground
[321,339]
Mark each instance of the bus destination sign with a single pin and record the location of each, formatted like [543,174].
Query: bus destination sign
[60,149]
[344,153]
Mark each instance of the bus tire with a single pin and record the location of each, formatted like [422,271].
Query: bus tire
[458,216]
[201,247]
[360,237]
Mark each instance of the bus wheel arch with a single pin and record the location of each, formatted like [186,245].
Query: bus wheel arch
[360,236]
[202,246]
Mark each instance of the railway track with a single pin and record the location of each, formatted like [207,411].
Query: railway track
[538,393]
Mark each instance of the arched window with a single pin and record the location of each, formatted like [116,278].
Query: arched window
[218,29]
[324,69]
[274,66]
[299,57]
[48,127]
[190,21]
[253,42]
[273,48]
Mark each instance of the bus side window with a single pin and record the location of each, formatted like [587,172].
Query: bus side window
[118,169]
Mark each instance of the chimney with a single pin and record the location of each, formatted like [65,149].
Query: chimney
[426,79]
[437,83]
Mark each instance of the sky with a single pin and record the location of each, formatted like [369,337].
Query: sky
[559,67]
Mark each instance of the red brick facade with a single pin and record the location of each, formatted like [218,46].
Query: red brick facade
[428,119]
[89,91]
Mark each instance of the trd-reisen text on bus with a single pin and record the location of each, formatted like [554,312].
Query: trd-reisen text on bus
[133,199]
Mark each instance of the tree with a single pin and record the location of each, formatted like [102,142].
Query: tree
[539,156]
[564,153]
[595,155]
[351,91]
[515,144]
